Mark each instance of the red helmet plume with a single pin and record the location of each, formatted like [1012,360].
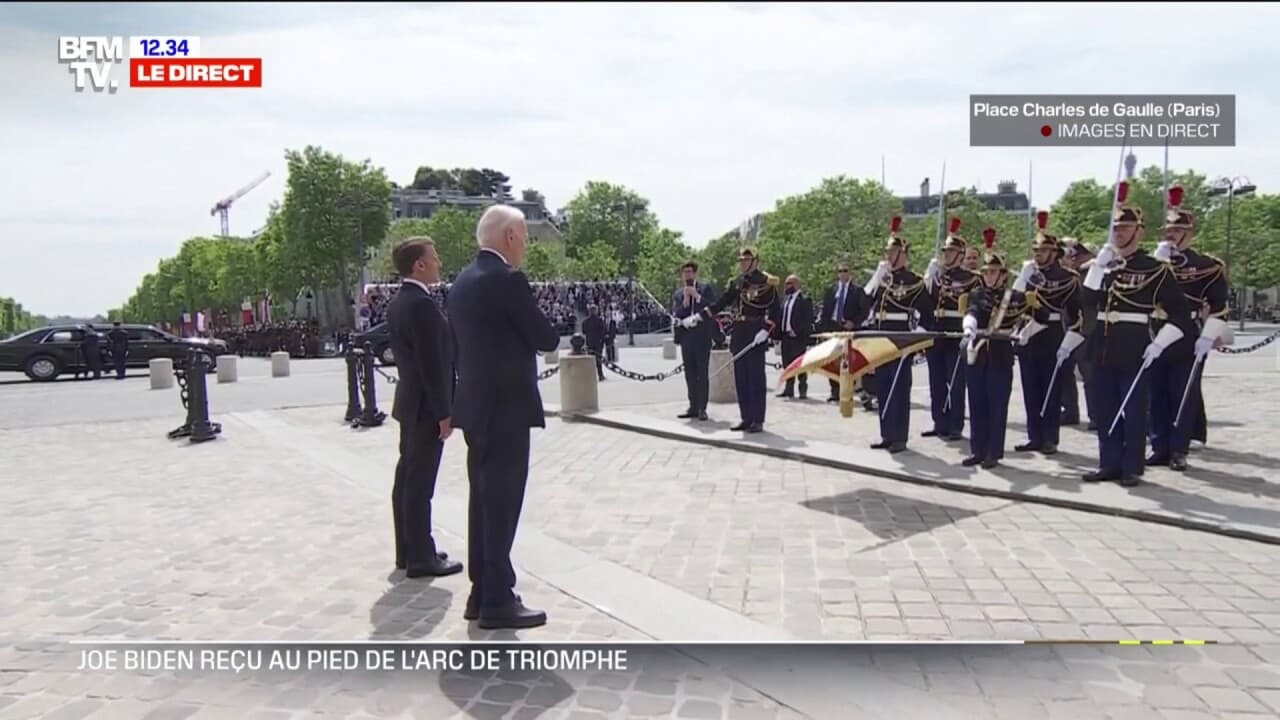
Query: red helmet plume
[955,226]
[896,224]
[1175,196]
[1122,192]
[989,237]
[1042,220]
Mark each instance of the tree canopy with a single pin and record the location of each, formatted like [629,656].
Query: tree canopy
[476,182]
[15,319]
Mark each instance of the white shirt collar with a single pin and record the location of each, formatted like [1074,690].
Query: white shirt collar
[495,252]
[420,284]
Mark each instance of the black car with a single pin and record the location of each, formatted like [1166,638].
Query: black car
[379,336]
[48,352]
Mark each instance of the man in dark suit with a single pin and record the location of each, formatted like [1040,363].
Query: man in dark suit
[119,341]
[593,330]
[423,406]
[695,343]
[794,332]
[499,330]
[844,307]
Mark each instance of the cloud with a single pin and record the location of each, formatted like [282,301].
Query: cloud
[713,111]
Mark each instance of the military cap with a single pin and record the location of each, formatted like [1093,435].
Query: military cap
[1125,214]
[954,241]
[1176,217]
[1043,239]
[748,253]
[894,240]
[1074,248]
[991,260]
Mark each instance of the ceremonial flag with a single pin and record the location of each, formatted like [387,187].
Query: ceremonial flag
[246,313]
[864,354]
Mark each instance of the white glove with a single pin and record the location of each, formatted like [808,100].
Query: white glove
[691,321]
[970,324]
[1152,352]
[933,273]
[882,271]
[1029,331]
[1070,342]
[1024,277]
[1164,251]
[1105,256]
[762,337]
[1204,345]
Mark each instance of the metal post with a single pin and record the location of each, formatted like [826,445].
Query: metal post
[198,403]
[371,416]
[353,384]
[631,272]
[1235,299]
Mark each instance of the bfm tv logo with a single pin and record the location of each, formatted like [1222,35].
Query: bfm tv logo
[153,63]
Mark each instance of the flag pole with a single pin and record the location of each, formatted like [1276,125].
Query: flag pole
[1031,208]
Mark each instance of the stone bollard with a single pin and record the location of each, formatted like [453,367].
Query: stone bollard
[723,389]
[370,415]
[161,373]
[355,366]
[279,364]
[579,388]
[195,400]
[227,370]
[551,357]
[668,349]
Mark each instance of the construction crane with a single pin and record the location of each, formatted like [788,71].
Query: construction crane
[224,206]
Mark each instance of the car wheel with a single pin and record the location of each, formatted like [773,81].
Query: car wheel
[386,356]
[42,368]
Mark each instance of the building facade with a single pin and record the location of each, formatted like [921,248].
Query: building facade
[1006,198]
[421,204]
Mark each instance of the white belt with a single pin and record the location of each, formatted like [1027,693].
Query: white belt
[1113,317]
[949,314]
[1055,316]
[900,317]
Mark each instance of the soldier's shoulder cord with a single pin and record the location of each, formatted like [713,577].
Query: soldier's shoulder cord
[771,280]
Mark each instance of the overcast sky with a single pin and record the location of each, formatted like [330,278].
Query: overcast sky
[711,111]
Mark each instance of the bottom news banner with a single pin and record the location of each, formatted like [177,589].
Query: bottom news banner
[789,679]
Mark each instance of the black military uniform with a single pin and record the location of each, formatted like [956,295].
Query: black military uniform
[992,309]
[899,300]
[1128,293]
[119,340]
[1203,280]
[949,292]
[756,295]
[92,351]
[1083,360]
[1054,296]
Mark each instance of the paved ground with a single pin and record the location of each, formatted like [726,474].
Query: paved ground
[278,531]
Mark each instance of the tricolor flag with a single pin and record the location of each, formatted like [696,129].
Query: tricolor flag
[864,354]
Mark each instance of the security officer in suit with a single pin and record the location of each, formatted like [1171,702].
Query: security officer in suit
[695,343]
[994,307]
[756,295]
[1078,256]
[899,300]
[1203,279]
[90,347]
[118,339]
[1128,289]
[949,286]
[844,307]
[794,329]
[593,331]
[1054,296]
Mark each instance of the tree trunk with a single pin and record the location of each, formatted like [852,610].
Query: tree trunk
[346,312]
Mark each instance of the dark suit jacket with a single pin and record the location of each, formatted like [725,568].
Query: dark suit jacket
[801,318]
[499,331]
[422,344]
[593,330]
[702,333]
[856,306]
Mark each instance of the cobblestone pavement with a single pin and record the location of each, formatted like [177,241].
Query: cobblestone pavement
[1232,481]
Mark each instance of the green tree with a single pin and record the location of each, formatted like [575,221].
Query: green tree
[611,214]
[662,252]
[543,263]
[597,261]
[718,260]
[334,212]
[453,231]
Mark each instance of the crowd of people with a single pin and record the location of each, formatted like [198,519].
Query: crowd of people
[299,338]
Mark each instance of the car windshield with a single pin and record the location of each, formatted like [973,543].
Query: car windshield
[28,335]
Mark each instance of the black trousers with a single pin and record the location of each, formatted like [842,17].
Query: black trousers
[498,470]
[793,348]
[598,351]
[1123,452]
[420,452]
[697,362]
[121,360]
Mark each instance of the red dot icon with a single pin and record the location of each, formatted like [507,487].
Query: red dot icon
[1046,131]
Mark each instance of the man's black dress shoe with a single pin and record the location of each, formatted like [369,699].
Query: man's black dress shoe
[1154,460]
[988,464]
[971,461]
[1178,463]
[784,394]
[439,568]
[514,616]
[441,555]
[953,437]
[879,445]
[1026,447]
[1049,450]
[1097,476]
[930,433]
[1130,481]
[895,448]
[703,416]
[472,610]
[804,395]
[755,428]
[833,399]
[686,414]
[740,427]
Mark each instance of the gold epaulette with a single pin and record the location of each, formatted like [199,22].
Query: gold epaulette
[1214,258]
[1032,300]
[771,279]
[962,304]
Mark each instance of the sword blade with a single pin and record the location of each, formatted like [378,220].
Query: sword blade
[733,359]
[1186,392]
[1048,393]
[1132,386]
[893,386]
[955,370]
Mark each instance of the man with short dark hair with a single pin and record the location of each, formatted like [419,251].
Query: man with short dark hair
[794,328]
[695,343]
[844,307]
[421,342]
[593,330]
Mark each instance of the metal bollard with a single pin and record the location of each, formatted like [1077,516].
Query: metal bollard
[370,416]
[354,366]
[194,393]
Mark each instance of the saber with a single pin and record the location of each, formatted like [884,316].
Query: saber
[1048,393]
[1186,392]
[892,386]
[950,384]
[1133,386]
[734,359]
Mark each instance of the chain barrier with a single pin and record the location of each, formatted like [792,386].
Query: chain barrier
[1250,348]
[360,383]
[640,377]
[548,372]
[180,375]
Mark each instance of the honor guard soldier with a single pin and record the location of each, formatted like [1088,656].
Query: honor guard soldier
[1078,256]
[1178,372]
[756,295]
[994,308]
[1128,289]
[898,296]
[1054,297]
[949,285]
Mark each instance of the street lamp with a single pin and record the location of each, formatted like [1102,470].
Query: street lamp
[1232,188]
[629,206]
